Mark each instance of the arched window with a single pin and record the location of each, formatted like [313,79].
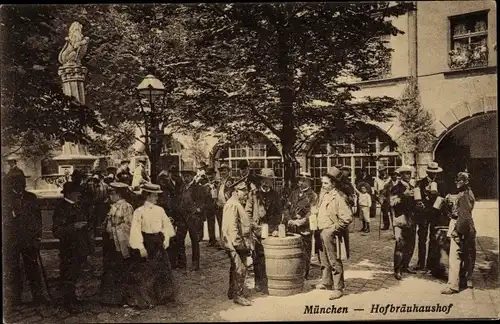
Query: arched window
[263,154]
[376,150]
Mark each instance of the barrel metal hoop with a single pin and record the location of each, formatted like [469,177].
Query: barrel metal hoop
[286,256]
[278,278]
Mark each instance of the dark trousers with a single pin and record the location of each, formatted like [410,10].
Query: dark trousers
[237,274]
[385,209]
[259,265]
[71,263]
[12,271]
[405,243]
[373,208]
[307,245]
[194,226]
[212,214]
[332,269]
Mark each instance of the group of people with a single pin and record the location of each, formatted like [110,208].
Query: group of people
[144,226]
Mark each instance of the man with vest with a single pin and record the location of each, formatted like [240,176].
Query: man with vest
[224,189]
[402,202]
[427,217]
[385,207]
[297,212]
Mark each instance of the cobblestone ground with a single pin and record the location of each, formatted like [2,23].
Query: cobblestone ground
[368,275]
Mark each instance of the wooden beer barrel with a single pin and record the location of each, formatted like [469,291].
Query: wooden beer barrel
[285,266]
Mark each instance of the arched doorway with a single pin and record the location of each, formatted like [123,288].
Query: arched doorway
[472,145]
[261,154]
[374,150]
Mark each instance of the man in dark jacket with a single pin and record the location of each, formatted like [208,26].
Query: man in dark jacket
[463,237]
[297,212]
[22,230]
[427,218]
[402,202]
[211,208]
[193,200]
[266,209]
[71,227]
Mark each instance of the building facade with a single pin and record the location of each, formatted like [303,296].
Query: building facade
[450,47]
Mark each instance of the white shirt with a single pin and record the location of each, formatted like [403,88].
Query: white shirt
[365,200]
[380,183]
[221,198]
[149,218]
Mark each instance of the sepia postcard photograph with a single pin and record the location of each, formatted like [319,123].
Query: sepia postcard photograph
[249,162]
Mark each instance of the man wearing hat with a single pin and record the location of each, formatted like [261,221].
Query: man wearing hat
[123,173]
[427,217]
[462,256]
[402,202]
[345,184]
[14,169]
[22,231]
[386,193]
[224,191]
[267,209]
[72,228]
[211,207]
[385,207]
[111,173]
[297,212]
[96,200]
[140,176]
[233,234]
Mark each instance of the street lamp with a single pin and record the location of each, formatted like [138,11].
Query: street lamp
[151,92]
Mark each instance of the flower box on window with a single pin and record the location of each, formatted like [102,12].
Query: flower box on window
[474,55]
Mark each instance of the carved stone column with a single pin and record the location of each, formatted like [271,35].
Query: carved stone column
[72,74]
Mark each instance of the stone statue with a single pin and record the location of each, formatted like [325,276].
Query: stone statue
[75,47]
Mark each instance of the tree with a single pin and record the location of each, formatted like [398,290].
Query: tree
[417,123]
[261,67]
[36,115]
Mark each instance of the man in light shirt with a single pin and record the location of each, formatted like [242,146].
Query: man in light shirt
[224,190]
[140,175]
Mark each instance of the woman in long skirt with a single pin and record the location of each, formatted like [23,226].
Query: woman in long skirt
[116,247]
[150,277]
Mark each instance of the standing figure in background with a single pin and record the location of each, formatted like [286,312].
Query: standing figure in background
[267,209]
[13,168]
[96,202]
[385,206]
[334,216]
[123,173]
[386,194]
[297,213]
[140,174]
[234,243]
[150,281]
[364,177]
[224,188]
[364,205]
[462,233]
[427,218]
[72,228]
[345,185]
[193,203]
[116,246]
[403,203]
[211,206]
[22,231]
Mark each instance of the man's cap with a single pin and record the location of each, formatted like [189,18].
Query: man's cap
[70,187]
[267,173]
[382,168]
[334,172]
[141,159]
[239,185]
[111,169]
[305,175]
[118,185]
[243,164]
[462,176]
[163,174]
[202,165]
[224,166]
[404,168]
[151,187]
[210,171]
[124,161]
[433,167]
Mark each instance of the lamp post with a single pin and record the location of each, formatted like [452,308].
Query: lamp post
[151,93]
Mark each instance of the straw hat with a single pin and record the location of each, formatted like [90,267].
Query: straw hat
[305,175]
[267,173]
[224,166]
[151,187]
[433,167]
[334,172]
[404,168]
[118,185]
